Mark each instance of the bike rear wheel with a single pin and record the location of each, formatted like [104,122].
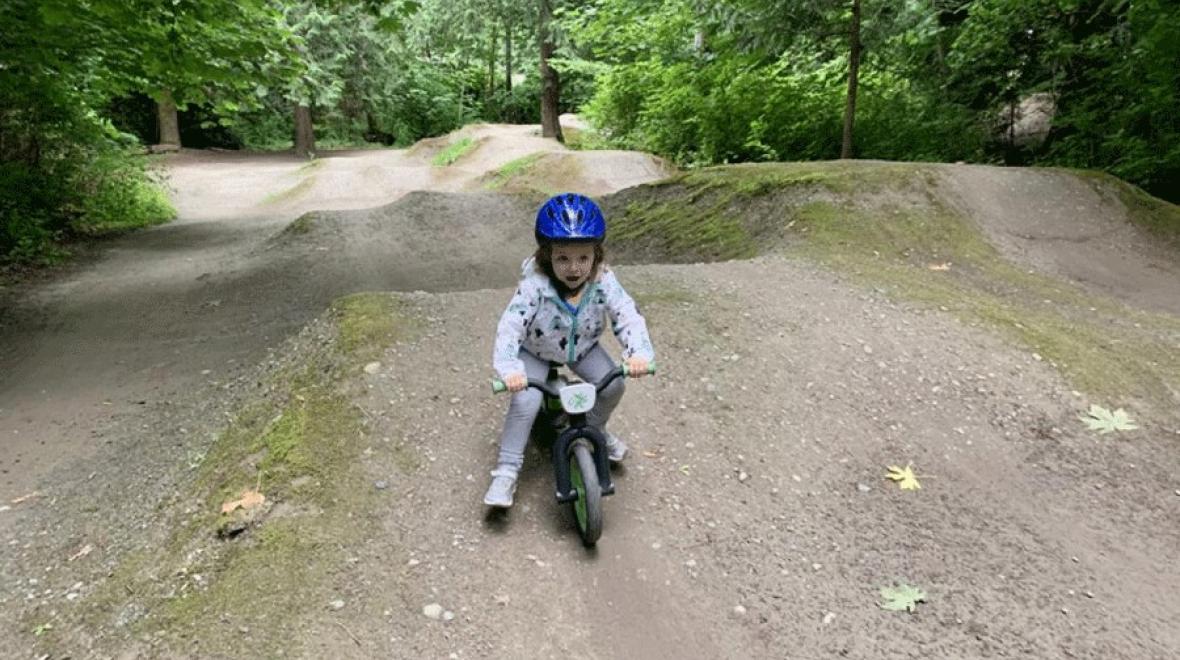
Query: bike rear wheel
[584,478]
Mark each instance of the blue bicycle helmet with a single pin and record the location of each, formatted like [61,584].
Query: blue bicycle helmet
[570,217]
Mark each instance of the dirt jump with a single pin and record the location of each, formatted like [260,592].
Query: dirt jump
[320,333]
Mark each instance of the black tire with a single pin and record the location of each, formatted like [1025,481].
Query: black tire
[587,509]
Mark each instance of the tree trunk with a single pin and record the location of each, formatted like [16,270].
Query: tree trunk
[304,133]
[550,83]
[169,124]
[492,64]
[507,55]
[853,71]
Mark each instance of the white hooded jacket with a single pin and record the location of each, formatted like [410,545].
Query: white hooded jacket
[540,322]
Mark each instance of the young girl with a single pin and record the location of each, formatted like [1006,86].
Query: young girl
[557,316]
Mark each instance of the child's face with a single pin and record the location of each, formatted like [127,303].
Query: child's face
[573,263]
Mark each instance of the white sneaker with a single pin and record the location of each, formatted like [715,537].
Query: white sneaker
[616,449]
[502,489]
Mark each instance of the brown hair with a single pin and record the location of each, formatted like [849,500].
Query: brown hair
[544,257]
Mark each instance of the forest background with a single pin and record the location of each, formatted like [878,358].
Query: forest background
[85,87]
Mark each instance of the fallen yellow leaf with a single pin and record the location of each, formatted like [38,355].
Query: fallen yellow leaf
[905,477]
[248,500]
[24,498]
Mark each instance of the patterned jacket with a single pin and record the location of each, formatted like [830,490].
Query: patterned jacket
[538,320]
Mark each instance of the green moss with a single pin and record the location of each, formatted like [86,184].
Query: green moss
[1158,217]
[454,152]
[302,224]
[735,211]
[512,170]
[1102,347]
[369,322]
[882,225]
[299,447]
[290,193]
[310,166]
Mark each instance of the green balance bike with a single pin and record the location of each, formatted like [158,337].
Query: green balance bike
[580,463]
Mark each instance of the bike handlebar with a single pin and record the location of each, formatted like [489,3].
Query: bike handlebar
[498,385]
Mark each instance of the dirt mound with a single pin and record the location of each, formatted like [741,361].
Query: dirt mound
[1078,227]
[424,241]
[595,173]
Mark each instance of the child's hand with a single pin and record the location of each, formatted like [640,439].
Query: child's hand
[636,367]
[516,382]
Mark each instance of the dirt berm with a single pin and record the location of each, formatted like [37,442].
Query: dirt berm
[814,323]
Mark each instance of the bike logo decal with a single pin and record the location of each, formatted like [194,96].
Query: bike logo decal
[579,400]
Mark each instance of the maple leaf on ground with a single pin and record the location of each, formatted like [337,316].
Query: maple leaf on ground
[248,500]
[902,597]
[904,476]
[1104,421]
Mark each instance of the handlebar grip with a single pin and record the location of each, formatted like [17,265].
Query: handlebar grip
[498,386]
[651,369]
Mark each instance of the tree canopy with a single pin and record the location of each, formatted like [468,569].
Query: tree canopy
[1080,83]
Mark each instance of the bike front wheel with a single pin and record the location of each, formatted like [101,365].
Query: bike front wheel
[584,478]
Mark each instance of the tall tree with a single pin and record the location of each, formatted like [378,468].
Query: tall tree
[853,70]
[550,81]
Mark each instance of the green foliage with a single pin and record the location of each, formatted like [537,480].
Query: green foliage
[902,597]
[117,193]
[454,152]
[1104,421]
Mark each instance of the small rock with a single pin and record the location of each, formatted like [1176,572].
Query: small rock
[738,610]
[868,349]
[448,616]
[380,485]
[337,605]
[433,611]
[742,477]
[1088,593]
[817,566]
[864,488]
[829,617]
[455,399]
[1037,357]
[502,600]
[372,368]
[413,562]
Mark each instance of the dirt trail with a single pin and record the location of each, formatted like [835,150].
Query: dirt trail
[752,520]
[1044,219]
[190,303]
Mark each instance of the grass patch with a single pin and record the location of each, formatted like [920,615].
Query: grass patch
[301,446]
[290,193]
[1103,348]
[883,225]
[310,166]
[584,140]
[454,152]
[512,170]
[1160,218]
[301,225]
[369,322]
[119,196]
[731,212]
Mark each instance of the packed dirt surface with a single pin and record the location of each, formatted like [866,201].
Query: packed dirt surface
[189,304]
[752,519]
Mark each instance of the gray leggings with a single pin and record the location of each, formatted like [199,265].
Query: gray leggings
[527,402]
